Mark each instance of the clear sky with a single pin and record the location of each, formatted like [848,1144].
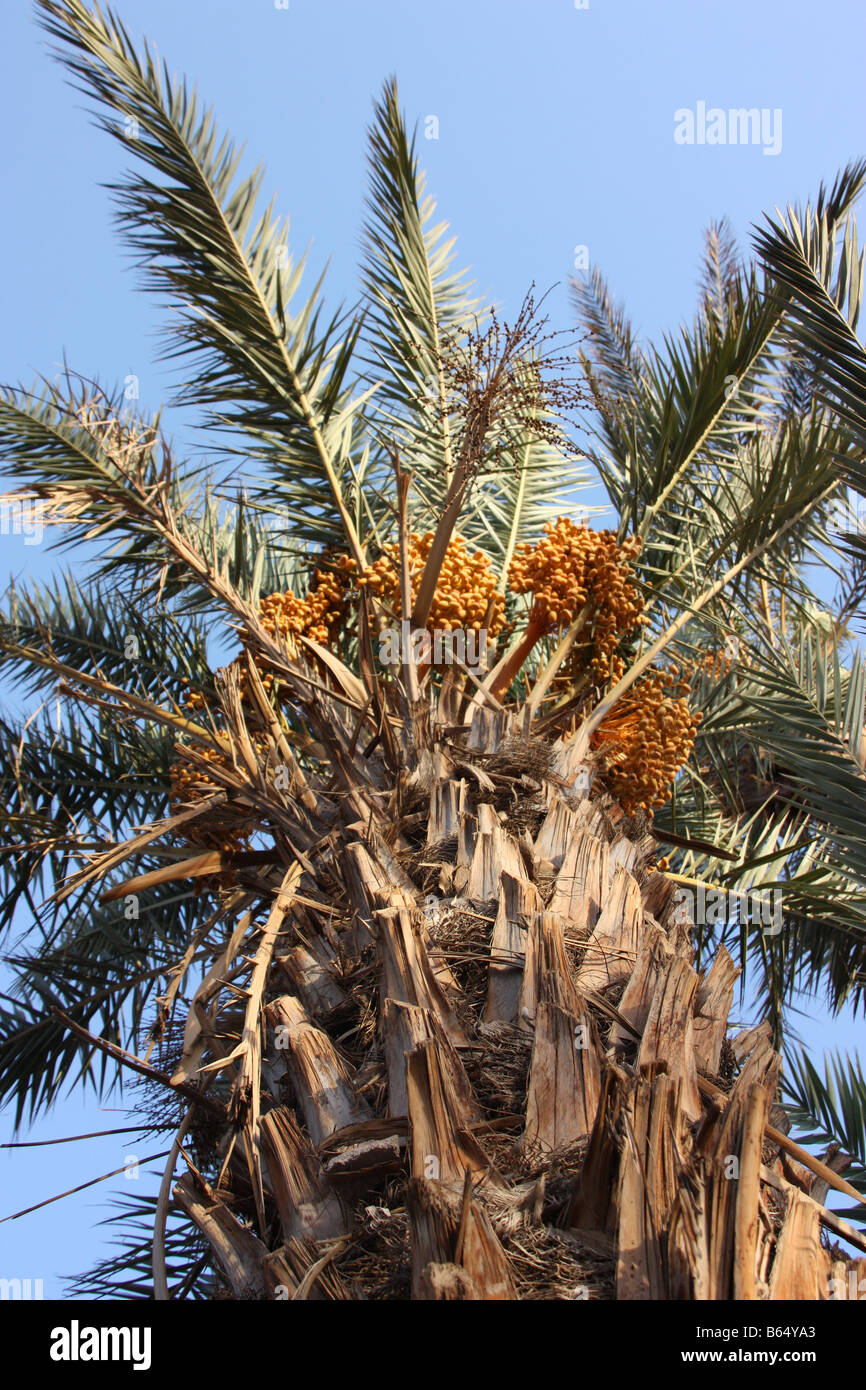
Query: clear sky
[555,130]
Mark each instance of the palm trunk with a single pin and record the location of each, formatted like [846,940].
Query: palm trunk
[491,1069]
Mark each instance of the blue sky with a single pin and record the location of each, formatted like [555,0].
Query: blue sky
[555,130]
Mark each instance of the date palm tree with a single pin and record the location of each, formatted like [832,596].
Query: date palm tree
[395,939]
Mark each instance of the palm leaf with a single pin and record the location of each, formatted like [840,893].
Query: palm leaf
[225,267]
[830,1107]
[417,303]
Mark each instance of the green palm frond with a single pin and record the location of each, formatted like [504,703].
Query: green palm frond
[792,913]
[419,310]
[691,435]
[776,777]
[773,493]
[128,1274]
[535,483]
[70,779]
[818,269]
[97,474]
[802,708]
[93,627]
[615,361]
[417,303]
[45,436]
[829,1107]
[682,414]
[86,464]
[104,968]
[280,377]
[721,274]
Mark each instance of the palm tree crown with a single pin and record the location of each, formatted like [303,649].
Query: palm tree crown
[396,913]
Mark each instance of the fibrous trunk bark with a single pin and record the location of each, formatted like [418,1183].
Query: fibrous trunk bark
[490,1054]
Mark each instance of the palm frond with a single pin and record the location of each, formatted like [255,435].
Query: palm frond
[720,274]
[615,358]
[69,778]
[803,709]
[534,483]
[93,627]
[104,969]
[818,270]
[128,1274]
[417,303]
[829,1107]
[689,440]
[278,376]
